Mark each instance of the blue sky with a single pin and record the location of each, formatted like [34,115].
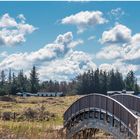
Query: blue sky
[107,38]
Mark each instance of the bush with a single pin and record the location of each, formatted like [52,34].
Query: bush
[7,99]
[6,116]
[30,114]
[38,113]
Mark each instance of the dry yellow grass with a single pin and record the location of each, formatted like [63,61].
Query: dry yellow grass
[37,129]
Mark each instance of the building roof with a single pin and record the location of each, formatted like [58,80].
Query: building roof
[123,91]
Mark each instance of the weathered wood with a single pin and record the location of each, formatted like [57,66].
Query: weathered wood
[104,109]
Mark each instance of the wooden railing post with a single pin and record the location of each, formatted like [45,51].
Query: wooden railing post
[113,115]
[106,110]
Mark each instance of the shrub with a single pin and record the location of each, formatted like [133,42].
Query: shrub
[6,116]
[38,113]
[7,99]
[30,113]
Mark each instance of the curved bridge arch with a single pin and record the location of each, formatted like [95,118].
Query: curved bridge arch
[103,112]
[132,102]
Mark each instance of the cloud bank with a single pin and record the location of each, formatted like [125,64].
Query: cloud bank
[120,44]
[56,61]
[121,47]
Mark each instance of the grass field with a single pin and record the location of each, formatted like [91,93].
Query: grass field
[26,117]
[20,127]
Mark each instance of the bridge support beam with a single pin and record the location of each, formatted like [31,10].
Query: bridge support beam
[87,124]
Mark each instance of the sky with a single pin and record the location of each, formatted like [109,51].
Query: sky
[64,39]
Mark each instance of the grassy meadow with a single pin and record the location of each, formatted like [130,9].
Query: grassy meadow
[19,120]
[35,117]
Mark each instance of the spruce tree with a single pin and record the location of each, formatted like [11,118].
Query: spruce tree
[130,81]
[9,83]
[103,82]
[2,78]
[34,81]
[97,83]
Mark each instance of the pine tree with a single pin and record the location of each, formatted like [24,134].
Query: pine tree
[136,88]
[92,82]
[112,81]
[14,87]
[9,83]
[2,78]
[97,83]
[103,82]
[3,89]
[34,81]
[130,81]
[119,81]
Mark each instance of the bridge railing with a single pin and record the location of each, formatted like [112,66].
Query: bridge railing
[132,102]
[106,103]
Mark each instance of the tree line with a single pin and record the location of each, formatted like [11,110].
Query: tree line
[11,84]
[89,82]
[99,81]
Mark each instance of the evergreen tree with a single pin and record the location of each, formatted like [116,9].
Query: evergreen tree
[2,78]
[97,82]
[80,84]
[92,82]
[130,81]
[14,86]
[22,82]
[3,89]
[119,81]
[34,81]
[9,83]
[103,82]
[112,81]
[137,89]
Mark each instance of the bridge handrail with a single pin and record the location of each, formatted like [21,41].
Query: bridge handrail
[130,101]
[107,103]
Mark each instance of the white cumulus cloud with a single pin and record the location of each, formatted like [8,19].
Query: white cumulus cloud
[12,32]
[118,34]
[85,19]
[128,50]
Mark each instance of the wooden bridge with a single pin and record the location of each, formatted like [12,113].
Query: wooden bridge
[118,115]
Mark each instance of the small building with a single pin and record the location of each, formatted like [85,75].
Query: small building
[59,94]
[40,94]
[119,92]
[50,94]
[25,94]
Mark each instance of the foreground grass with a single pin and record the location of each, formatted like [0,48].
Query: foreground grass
[29,130]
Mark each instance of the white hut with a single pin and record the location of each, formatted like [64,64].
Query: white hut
[50,94]
[119,92]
